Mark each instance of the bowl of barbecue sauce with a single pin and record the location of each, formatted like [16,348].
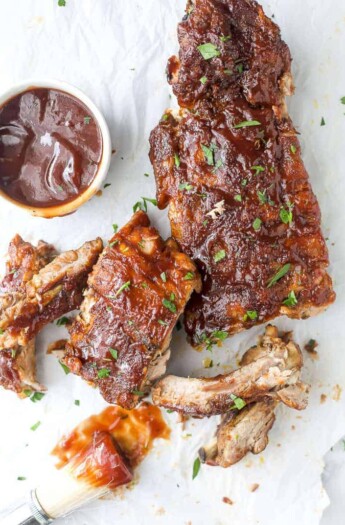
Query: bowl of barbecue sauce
[55,148]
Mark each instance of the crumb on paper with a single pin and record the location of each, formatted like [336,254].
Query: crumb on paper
[99,193]
[182,418]
[293,427]
[310,348]
[227,500]
[254,487]
[337,391]
[261,460]
[160,511]
[248,463]
[279,444]
[323,399]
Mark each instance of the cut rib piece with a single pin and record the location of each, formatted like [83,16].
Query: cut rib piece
[229,166]
[55,290]
[135,294]
[17,365]
[269,370]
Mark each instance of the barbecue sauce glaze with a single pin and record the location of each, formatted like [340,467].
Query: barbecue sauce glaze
[50,147]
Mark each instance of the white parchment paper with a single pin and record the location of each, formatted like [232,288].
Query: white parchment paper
[116,51]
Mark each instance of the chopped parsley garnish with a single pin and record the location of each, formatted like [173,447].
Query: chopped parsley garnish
[219,256]
[209,154]
[177,160]
[146,174]
[65,368]
[138,393]
[163,323]
[185,186]
[164,277]
[342,100]
[36,396]
[262,196]
[103,372]
[13,353]
[323,122]
[257,224]
[208,51]
[250,314]
[165,117]
[170,305]
[61,3]
[225,38]
[214,338]
[196,468]
[244,182]
[113,353]
[77,402]
[169,411]
[63,321]
[293,149]
[228,71]
[189,276]
[203,80]
[291,299]
[22,478]
[1,331]
[35,426]
[115,227]
[238,198]
[87,120]
[247,124]
[257,169]
[107,185]
[239,68]
[120,290]
[143,205]
[114,243]
[239,403]
[286,215]
[280,273]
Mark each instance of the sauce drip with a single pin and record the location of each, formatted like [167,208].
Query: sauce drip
[50,147]
[134,431]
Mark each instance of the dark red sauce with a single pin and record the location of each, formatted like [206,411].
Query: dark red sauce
[50,147]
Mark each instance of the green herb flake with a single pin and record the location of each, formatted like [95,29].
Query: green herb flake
[113,353]
[103,373]
[115,227]
[170,305]
[209,154]
[250,314]
[165,117]
[219,256]
[244,182]
[185,186]
[247,124]
[77,402]
[177,160]
[162,323]
[169,411]
[257,224]
[203,80]
[87,120]
[114,243]
[228,71]
[280,273]
[65,368]
[257,169]
[291,300]
[61,3]
[238,198]
[138,393]
[286,216]
[323,122]
[164,277]
[120,290]
[262,197]
[208,51]
[293,149]
[62,322]
[35,426]
[342,100]
[239,403]
[106,185]
[22,478]
[189,276]
[36,396]
[196,468]
[225,38]
[146,174]
[239,68]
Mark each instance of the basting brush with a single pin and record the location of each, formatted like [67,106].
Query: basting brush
[94,471]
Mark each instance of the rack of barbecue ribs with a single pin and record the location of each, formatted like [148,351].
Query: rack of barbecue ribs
[246,398]
[37,289]
[229,166]
[17,365]
[136,292]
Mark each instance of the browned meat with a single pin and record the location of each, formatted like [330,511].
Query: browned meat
[135,294]
[17,365]
[55,290]
[271,369]
[229,166]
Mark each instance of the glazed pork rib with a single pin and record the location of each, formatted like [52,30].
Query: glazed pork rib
[17,365]
[269,370]
[136,292]
[229,166]
[55,290]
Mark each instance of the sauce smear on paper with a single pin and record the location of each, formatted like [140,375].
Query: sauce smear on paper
[50,147]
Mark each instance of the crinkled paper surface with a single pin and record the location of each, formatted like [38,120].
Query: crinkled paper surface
[116,51]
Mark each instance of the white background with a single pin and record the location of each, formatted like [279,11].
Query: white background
[116,51]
